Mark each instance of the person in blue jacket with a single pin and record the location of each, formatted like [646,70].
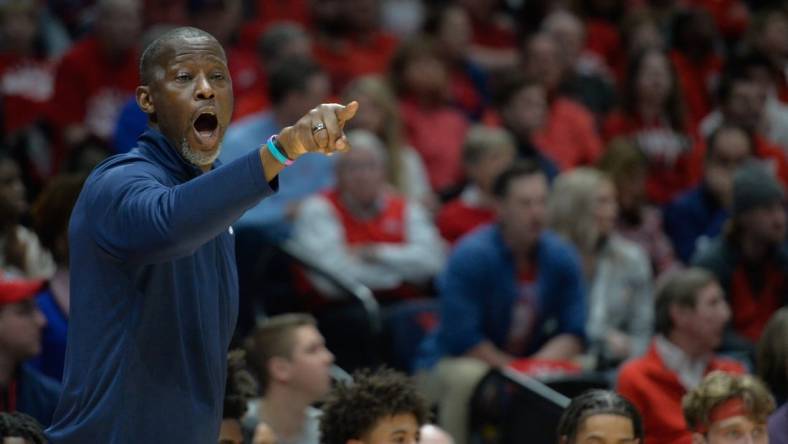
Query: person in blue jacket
[154,293]
[511,290]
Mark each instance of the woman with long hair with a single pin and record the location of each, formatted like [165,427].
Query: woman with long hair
[652,114]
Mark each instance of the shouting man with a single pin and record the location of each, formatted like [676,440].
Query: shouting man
[154,287]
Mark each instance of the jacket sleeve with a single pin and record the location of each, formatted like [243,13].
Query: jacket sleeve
[461,289]
[137,219]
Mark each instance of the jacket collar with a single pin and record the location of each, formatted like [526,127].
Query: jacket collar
[155,147]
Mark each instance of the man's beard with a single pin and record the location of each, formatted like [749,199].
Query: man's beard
[197,158]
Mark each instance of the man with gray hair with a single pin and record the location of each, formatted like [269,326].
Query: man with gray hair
[364,230]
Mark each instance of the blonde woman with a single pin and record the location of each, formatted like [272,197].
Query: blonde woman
[381,116]
[583,209]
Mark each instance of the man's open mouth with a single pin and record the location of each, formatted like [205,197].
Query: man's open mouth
[206,124]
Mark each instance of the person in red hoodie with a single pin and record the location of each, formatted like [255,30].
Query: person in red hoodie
[98,75]
[691,314]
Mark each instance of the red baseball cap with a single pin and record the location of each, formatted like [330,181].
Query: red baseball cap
[17,290]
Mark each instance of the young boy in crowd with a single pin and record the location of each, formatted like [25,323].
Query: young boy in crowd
[379,407]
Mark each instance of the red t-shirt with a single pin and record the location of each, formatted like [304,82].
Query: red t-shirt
[437,134]
[698,80]
[669,153]
[457,218]
[569,136]
[26,86]
[353,58]
[656,392]
[91,89]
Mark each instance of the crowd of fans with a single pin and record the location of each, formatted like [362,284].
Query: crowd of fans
[556,187]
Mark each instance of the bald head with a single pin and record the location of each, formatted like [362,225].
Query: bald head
[151,57]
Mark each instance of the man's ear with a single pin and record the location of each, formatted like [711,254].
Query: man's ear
[144,100]
[279,369]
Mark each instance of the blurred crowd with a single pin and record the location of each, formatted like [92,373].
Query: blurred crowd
[559,187]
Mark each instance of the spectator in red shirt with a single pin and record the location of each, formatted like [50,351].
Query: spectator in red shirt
[487,153]
[751,258]
[691,314]
[693,40]
[364,231]
[360,48]
[637,221]
[451,28]
[26,70]
[381,116]
[569,135]
[434,128]
[98,75]
[652,115]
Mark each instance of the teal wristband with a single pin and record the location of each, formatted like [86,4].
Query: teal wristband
[276,152]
